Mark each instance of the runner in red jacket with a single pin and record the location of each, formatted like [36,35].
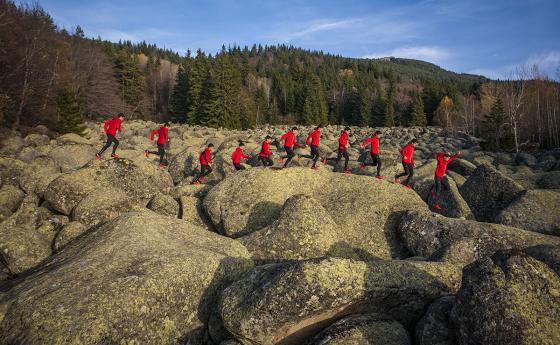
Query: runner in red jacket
[265,153]
[407,154]
[374,152]
[111,127]
[237,155]
[205,159]
[443,159]
[343,150]
[290,140]
[314,141]
[162,138]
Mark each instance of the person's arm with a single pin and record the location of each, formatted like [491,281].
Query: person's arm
[308,140]
[283,137]
[154,132]
[246,156]
[166,134]
[454,156]
[106,126]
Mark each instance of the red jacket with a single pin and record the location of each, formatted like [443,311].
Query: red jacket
[162,133]
[289,139]
[343,141]
[442,163]
[265,149]
[407,153]
[314,138]
[374,141]
[237,155]
[113,125]
[205,157]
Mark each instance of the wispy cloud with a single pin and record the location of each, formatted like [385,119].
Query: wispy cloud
[547,62]
[431,54]
[312,28]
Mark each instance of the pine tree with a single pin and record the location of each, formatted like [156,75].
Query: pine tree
[391,97]
[364,109]
[69,113]
[131,80]
[221,99]
[179,102]
[199,72]
[416,114]
[378,114]
[315,103]
[493,122]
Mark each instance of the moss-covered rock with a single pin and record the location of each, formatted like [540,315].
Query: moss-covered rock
[370,329]
[140,279]
[291,302]
[164,204]
[487,192]
[35,139]
[435,328]
[366,209]
[549,180]
[73,156]
[509,298]
[549,254]
[304,231]
[68,232]
[462,167]
[534,210]
[432,235]
[26,237]
[137,178]
[452,203]
[10,199]
[192,211]
[101,206]
[11,144]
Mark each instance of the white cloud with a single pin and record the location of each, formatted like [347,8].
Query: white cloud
[431,54]
[115,35]
[548,63]
[314,27]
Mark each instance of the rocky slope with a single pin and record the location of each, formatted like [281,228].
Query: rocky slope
[120,251]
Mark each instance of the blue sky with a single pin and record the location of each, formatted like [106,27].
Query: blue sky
[488,37]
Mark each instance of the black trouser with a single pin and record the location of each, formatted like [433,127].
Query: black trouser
[204,170]
[160,152]
[266,161]
[408,170]
[110,139]
[238,166]
[289,155]
[314,154]
[375,161]
[438,181]
[342,153]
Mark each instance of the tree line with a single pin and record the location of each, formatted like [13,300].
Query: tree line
[59,78]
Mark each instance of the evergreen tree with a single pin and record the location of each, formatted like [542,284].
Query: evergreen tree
[493,122]
[131,80]
[179,102]
[416,115]
[378,115]
[364,109]
[221,105]
[69,113]
[391,97]
[315,103]
[199,74]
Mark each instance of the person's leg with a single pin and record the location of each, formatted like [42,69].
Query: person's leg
[403,173]
[314,155]
[410,174]
[161,153]
[338,158]
[238,167]
[346,159]
[108,143]
[437,184]
[377,161]
[269,161]
[115,145]
[290,155]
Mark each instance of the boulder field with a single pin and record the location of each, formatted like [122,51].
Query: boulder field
[119,251]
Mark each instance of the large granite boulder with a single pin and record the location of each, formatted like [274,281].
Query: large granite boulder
[366,209]
[487,192]
[508,299]
[288,303]
[432,235]
[370,329]
[140,279]
[73,156]
[435,328]
[10,199]
[534,210]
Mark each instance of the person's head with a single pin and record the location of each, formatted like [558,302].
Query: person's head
[211,147]
[319,127]
[120,116]
[446,156]
[268,138]
[241,143]
[294,129]
[414,142]
[166,125]
[347,129]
